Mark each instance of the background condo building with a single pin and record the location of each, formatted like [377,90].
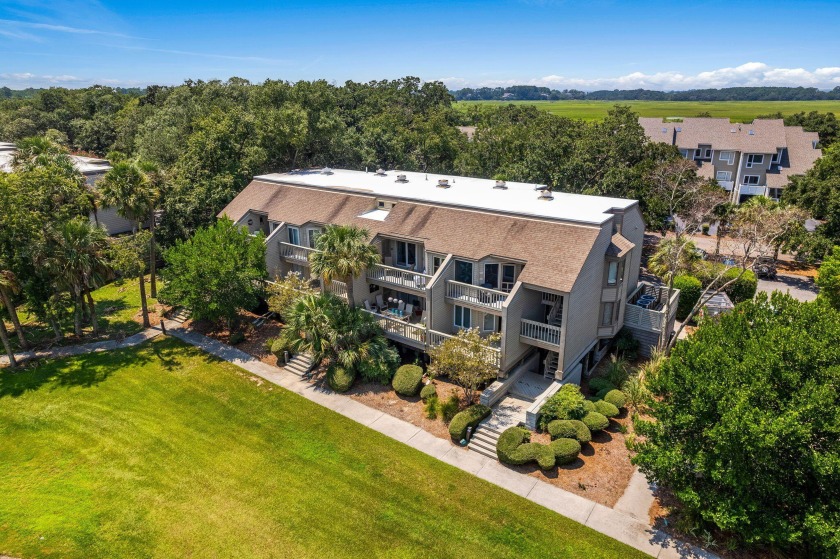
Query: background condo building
[92,169]
[755,159]
[556,275]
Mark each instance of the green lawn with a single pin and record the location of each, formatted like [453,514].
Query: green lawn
[116,305]
[163,451]
[738,111]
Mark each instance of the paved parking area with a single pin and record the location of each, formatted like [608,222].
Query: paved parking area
[799,287]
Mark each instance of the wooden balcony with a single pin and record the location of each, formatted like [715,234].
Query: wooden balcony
[539,334]
[338,288]
[398,277]
[650,317]
[475,296]
[296,254]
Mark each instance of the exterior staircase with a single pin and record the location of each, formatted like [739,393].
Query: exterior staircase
[300,365]
[484,441]
[181,315]
[551,365]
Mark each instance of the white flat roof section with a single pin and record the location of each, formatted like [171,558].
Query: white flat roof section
[465,192]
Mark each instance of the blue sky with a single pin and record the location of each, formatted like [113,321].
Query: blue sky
[562,44]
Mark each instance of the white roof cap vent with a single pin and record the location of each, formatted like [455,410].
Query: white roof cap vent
[402,179]
[752,132]
[443,183]
[501,185]
[546,195]
[380,172]
[733,130]
[326,171]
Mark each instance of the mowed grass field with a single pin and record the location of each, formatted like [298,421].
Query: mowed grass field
[162,451]
[737,111]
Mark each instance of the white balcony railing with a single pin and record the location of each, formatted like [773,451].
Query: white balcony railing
[540,331]
[650,319]
[475,295]
[423,337]
[398,277]
[295,253]
[338,288]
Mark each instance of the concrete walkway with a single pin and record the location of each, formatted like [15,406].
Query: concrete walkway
[637,498]
[613,523]
[622,526]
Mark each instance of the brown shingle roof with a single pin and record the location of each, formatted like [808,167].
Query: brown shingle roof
[554,252]
[619,246]
[768,134]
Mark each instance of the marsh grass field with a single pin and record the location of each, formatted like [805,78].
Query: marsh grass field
[737,111]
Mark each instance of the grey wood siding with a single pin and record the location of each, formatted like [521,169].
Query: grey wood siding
[113,223]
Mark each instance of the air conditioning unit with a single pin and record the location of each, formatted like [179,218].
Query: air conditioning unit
[443,183]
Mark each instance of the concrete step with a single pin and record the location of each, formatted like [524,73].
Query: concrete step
[485,438]
[483,451]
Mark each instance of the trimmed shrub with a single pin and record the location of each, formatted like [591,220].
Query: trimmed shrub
[379,370]
[690,290]
[569,429]
[601,393]
[432,407]
[606,409]
[589,404]
[565,450]
[237,337]
[595,421]
[566,403]
[599,383]
[744,288]
[279,347]
[616,398]
[513,447]
[449,408]
[407,380]
[428,391]
[470,417]
[339,378]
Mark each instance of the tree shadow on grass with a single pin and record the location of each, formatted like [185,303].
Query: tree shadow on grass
[85,370]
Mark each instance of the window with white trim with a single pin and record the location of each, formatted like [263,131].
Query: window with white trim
[751,179]
[437,261]
[463,317]
[612,272]
[312,236]
[489,323]
[406,254]
[727,156]
[754,159]
[776,157]
[294,235]
[723,175]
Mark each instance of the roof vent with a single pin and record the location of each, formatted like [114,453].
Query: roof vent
[402,179]
[545,194]
[326,171]
[380,172]
[733,130]
[443,183]
[752,132]
[501,185]
[678,128]
[664,130]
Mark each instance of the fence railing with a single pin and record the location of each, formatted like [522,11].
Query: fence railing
[296,253]
[398,277]
[540,331]
[338,288]
[475,295]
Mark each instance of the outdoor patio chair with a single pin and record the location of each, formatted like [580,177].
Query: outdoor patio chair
[370,307]
[380,302]
[408,310]
[401,305]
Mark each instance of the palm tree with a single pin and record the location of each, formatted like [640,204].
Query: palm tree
[308,324]
[671,258]
[127,188]
[343,253]
[79,262]
[9,286]
[4,337]
[724,214]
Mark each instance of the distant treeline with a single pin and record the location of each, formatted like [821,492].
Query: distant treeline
[534,93]
[30,92]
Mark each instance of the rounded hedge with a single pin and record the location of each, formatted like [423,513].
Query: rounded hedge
[513,447]
[428,391]
[569,429]
[595,421]
[690,290]
[606,409]
[616,398]
[565,450]
[408,379]
[601,393]
[278,347]
[340,379]
[470,417]
[599,383]
[743,288]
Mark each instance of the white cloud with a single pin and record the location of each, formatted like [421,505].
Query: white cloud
[28,79]
[749,74]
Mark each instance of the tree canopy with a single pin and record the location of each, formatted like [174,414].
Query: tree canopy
[746,424]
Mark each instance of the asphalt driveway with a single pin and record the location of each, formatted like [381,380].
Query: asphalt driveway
[798,287]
